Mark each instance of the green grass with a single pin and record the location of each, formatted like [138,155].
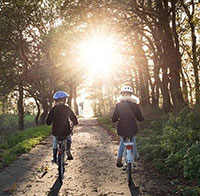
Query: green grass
[19,142]
[107,123]
[9,122]
[29,118]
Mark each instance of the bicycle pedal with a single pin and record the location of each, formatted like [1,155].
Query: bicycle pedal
[124,169]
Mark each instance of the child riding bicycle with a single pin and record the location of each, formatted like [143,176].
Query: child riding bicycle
[59,117]
[126,113]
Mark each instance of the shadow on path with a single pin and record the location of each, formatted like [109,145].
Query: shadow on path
[23,168]
[55,188]
[134,190]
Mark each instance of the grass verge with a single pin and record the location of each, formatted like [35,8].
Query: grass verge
[15,144]
[106,123]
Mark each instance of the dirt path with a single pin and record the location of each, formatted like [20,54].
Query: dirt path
[91,173]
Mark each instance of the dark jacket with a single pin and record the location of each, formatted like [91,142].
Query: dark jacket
[59,115]
[125,113]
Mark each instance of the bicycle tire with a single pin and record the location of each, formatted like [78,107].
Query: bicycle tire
[61,168]
[129,175]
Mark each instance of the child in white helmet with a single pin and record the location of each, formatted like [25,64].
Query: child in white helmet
[126,113]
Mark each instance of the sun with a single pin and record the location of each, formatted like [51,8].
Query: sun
[100,54]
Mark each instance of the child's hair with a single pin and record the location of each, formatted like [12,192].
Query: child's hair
[60,102]
[126,94]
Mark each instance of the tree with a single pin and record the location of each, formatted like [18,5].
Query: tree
[189,9]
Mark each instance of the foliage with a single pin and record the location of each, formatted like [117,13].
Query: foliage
[174,146]
[172,143]
[29,118]
[189,190]
[41,40]
[178,140]
[37,52]
[20,142]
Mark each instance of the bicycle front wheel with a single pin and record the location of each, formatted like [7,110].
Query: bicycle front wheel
[129,169]
[61,168]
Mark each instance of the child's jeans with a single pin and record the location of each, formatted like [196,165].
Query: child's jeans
[121,147]
[68,146]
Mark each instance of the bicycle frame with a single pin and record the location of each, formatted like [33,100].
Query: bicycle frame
[129,164]
[61,158]
[61,146]
[129,152]
[129,158]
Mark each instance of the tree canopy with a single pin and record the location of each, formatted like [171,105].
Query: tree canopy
[157,40]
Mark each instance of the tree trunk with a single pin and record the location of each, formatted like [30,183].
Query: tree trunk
[159,62]
[20,108]
[75,103]
[142,65]
[167,106]
[4,105]
[38,113]
[190,88]
[69,102]
[44,113]
[173,62]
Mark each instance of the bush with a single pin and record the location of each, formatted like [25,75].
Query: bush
[173,145]
[191,191]
[192,162]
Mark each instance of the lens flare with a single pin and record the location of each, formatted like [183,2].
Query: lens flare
[100,55]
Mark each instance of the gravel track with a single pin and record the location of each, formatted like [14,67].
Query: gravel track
[91,173]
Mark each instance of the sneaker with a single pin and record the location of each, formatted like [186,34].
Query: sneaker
[119,163]
[137,156]
[69,156]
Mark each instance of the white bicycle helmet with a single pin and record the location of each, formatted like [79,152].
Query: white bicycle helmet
[60,95]
[127,89]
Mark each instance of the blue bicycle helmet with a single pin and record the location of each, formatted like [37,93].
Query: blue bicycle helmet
[60,95]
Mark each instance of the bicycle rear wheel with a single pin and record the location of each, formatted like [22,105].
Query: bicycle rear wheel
[129,169]
[61,168]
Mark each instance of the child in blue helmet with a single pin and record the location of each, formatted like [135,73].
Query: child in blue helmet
[59,116]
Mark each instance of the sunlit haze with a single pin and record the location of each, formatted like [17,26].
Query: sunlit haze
[100,54]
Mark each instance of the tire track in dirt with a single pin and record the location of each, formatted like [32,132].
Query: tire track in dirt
[91,173]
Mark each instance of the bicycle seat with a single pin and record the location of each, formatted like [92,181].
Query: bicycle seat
[127,139]
[61,138]
[128,144]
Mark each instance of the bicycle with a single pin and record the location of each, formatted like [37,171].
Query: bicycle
[129,165]
[61,157]
[129,158]
[61,154]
